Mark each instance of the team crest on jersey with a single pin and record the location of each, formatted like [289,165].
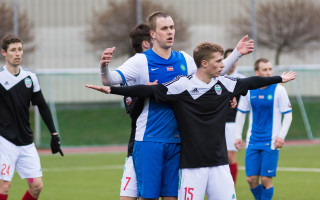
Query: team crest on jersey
[28,82]
[218,89]
[182,67]
[128,101]
[269,97]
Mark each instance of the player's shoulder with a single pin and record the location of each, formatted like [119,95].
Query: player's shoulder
[181,79]
[280,88]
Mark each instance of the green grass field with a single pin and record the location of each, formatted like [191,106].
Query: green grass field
[97,176]
[111,125]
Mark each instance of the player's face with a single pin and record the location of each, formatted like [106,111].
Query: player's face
[265,69]
[215,65]
[14,54]
[164,34]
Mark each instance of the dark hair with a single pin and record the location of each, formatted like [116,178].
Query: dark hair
[227,51]
[204,52]
[139,34]
[9,39]
[256,64]
[152,18]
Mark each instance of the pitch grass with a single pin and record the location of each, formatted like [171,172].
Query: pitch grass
[109,126]
[97,176]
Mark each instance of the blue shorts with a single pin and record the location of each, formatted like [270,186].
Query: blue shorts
[261,162]
[157,168]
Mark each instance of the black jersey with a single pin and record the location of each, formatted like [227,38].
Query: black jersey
[201,110]
[16,94]
[134,107]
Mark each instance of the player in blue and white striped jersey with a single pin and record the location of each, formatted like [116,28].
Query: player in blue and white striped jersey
[265,134]
[157,134]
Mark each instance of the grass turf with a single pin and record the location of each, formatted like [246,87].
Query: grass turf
[97,176]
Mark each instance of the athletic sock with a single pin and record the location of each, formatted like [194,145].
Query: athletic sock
[267,194]
[234,171]
[257,191]
[3,196]
[27,196]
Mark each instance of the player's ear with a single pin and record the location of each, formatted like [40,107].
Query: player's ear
[152,34]
[3,52]
[204,63]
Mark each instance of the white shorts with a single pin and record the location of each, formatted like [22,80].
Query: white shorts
[231,136]
[129,185]
[24,159]
[216,182]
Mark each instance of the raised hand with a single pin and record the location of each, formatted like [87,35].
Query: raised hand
[104,89]
[288,76]
[245,47]
[106,56]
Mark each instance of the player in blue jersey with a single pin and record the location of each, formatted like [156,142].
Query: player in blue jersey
[157,142]
[140,41]
[265,134]
[231,125]
[19,88]
[200,103]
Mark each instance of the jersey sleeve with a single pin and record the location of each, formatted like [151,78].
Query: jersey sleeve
[132,68]
[192,67]
[244,103]
[35,81]
[283,100]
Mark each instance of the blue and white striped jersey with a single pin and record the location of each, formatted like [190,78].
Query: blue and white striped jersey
[157,122]
[266,107]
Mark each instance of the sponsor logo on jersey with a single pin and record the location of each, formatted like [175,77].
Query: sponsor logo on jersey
[28,82]
[269,97]
[253,97]
[128,101]
[261,96]
[153,69]
[169,68]
[195,90]
[182,67]
[218,89]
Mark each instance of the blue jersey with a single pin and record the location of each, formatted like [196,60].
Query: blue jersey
[266,107]
[157,122]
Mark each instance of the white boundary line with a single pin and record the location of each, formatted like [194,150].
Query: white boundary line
[292,169]
[115,167]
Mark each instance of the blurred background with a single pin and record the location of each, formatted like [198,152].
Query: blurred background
[64,39]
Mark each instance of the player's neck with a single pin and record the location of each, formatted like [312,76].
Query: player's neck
[162,52]
[14,70]
[203,76]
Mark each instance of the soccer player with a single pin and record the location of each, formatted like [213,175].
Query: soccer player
[265,134]
[157,142]
[230,125]
[18,88]
[140,42]
[200,103]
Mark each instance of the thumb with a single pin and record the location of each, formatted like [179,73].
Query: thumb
[244,38]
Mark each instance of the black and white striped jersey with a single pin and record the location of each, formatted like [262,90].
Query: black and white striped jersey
[16,94]
[201,110]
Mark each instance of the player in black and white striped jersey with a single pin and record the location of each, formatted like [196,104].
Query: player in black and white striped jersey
[18,88]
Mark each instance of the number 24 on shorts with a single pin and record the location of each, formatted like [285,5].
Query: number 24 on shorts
[5,169]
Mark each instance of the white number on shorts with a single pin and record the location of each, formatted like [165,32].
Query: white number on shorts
[187,192]
[129,178]
[5,169]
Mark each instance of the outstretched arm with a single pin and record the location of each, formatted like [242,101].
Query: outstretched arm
[243,47]
[141,91]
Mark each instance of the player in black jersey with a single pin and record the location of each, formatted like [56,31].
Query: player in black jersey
[200,103]
[18,88]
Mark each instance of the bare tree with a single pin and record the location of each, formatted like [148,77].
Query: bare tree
[283,26]
[25,27]
[111,26]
